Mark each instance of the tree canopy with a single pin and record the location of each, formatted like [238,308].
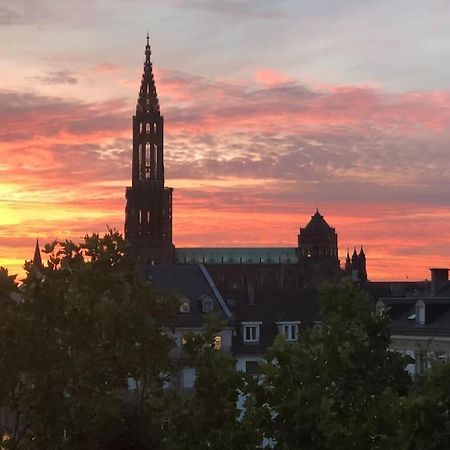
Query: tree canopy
[72,335]
[338,386]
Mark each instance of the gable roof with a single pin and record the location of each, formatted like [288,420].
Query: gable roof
[187,281]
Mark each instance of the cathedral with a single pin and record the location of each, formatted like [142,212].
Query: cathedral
[148,221]
[258,293]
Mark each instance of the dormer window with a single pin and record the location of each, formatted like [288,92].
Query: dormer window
[420,313]
[289,330]
[185,305]
[207,304]
[251,331]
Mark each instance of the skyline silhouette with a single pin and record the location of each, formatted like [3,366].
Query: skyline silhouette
[260,128]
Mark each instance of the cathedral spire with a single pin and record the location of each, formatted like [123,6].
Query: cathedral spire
[148,98]
[148,214]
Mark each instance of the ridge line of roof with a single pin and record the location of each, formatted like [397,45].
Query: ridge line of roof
[216,292]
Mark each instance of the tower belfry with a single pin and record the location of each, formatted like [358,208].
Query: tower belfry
[148,213]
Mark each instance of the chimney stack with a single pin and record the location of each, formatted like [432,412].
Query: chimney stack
[439,277]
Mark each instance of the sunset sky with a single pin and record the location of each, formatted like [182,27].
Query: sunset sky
[271,108]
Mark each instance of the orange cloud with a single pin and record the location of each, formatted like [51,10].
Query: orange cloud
[252,160]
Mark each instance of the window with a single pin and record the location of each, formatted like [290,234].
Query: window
[317,325]
[217,343]
[207,304]
[132,384]
[289,330]
[411,366]
[185,305]
[379,309]
[420,313]
[251,331]
[189,376]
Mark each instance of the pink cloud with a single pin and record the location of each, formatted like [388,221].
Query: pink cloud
[270,77]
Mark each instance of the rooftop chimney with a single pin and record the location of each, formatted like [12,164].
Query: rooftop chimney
[439,277]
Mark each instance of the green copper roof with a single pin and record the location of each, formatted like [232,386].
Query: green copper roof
[236,255]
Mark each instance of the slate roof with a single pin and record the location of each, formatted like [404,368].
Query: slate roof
[402,312]
[443,290]
[186,281]
[396,289]
[271,306]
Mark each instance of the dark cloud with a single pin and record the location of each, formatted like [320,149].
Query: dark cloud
[47,116]
[59,77]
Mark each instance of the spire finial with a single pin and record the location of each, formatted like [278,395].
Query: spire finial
[147,50]
[147,100]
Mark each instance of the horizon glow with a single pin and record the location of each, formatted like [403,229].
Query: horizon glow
[271,110]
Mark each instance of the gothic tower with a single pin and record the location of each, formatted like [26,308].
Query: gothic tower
[318,248]
[148,212]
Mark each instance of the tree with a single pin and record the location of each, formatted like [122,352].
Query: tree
[209,418]
[339,386]
[428,410]
[70,337]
